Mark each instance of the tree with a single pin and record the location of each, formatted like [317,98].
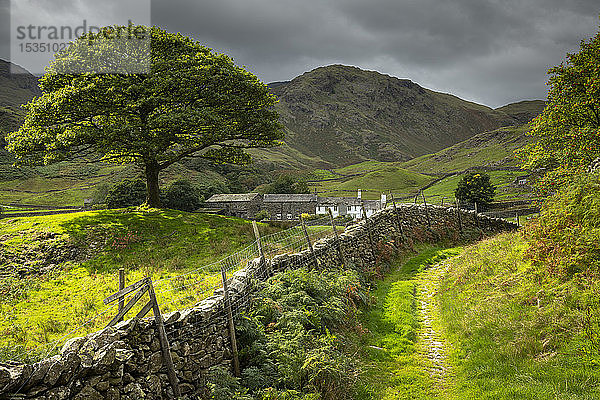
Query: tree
[475,187]
[568,130]
[287,184]
[192,103]
[182,195]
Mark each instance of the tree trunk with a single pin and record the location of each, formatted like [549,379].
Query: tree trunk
[152,190]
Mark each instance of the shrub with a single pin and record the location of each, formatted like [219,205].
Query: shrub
[182,195]
[565,239]
[130,192]
[262,214]
[287,348]
[475,187]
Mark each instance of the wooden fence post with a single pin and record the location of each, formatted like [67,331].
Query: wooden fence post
[517,219]
[312,251]
[234,350]
[458,214]
[142,286]
[121,287]
[398,220]
[426,210]
[164,342]
[337,237]
[476,213]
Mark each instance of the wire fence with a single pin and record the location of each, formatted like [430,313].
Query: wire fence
[187,289]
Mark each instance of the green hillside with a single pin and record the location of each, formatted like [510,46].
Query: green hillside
[524,111]
[490,149]
[49,265]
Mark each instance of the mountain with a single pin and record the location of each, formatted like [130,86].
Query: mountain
[344,115]
[524,111]
[15,89]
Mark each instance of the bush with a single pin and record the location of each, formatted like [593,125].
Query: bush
[475,187]
[287,349]
[262,214]
[130,192]
[286,184]
[182,195]
[565,239]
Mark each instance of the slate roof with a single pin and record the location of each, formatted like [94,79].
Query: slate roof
[290,198]
[236,197]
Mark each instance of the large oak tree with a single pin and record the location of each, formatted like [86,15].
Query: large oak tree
[190,103]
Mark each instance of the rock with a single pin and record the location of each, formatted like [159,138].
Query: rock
[88,393]
[59,393]
[112,394]
[103,386]
[135,391]
[54,371]
[155,362]
[73,345]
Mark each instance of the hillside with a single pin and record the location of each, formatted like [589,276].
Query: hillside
[524,111]
[70,263]
[15,90]
[345,115]
[492,150]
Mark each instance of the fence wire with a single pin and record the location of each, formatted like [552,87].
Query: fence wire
[192,286]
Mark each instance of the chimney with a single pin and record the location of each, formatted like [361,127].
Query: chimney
[359,194]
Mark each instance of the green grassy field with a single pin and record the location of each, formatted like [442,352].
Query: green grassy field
[164,244]
[375,178]
[501,179]
[489,148]
[517,332]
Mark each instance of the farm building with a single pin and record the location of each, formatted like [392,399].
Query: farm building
[245,205]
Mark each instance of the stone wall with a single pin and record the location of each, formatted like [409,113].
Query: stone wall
[124,361]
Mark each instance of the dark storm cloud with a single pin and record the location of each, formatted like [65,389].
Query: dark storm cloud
[490,51]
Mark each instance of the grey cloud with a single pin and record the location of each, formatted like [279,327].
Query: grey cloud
[491,51]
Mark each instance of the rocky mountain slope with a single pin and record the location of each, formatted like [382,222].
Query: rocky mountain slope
[345,115]
[15,89]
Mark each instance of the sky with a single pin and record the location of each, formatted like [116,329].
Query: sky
[489,51]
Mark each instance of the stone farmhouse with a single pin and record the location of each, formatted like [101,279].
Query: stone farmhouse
[282,207]
[245,205]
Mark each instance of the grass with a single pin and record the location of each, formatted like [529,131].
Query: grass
[488,148]
[376,178]
[502,179]
[392,364]
[167,245]
[518,333]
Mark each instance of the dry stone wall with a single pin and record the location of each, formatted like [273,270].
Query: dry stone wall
[125,362]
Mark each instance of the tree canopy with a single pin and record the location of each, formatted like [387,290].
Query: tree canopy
[475,187]
[568,130]
[287,184]
[191,103]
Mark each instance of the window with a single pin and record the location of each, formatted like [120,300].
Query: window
[278,216]
[289,216]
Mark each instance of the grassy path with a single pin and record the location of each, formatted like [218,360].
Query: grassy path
[432,343]
[405,356]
